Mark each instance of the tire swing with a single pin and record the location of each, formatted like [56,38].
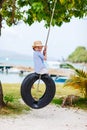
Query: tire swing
[46,80]
[47,96]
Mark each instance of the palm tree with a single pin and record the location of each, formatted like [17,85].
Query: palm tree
[78,80]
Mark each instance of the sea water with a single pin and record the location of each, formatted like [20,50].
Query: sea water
[14,77]
[18,62]
[11,78]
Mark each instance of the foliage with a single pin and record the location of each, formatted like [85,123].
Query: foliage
[57,101]
[79,55]
[29,11]
[9,98]
[81,103]
[78,81]
[12,98]
[14,108]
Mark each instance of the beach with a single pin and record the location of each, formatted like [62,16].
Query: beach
[50,117]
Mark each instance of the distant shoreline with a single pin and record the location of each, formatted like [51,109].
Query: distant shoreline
[52,71]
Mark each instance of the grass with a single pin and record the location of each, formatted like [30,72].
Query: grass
[13,98]
[13,89]
[62,91]
[11,93]
[81,103]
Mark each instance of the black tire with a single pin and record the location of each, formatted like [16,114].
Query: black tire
[46,97]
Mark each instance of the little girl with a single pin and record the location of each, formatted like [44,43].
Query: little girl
[39,58]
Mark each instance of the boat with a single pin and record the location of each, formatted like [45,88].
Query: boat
[60,79]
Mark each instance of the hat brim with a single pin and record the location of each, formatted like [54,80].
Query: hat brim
[37,46]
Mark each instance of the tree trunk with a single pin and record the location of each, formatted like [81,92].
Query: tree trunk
[2,104]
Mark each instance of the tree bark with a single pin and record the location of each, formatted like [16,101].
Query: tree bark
[2,103]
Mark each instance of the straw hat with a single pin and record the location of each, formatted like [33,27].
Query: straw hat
[37,43]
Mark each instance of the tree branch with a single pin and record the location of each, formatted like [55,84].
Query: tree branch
[13,11]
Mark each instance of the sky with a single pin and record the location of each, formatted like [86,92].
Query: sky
[61,43]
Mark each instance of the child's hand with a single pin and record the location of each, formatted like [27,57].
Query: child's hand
[45,51]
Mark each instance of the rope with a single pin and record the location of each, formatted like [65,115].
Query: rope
[37,90]
[47,37]
[50,22]
[38,82]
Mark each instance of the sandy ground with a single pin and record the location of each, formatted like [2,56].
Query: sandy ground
[47,118]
